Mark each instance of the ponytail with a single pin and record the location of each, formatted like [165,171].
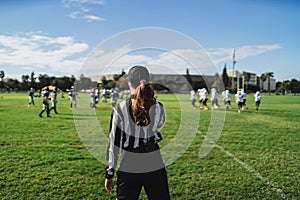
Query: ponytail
[143,100]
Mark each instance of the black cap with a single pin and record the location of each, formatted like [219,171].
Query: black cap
[137,74]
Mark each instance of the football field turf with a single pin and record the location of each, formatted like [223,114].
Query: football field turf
[257,155]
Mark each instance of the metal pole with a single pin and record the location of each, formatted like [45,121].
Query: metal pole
[233,68]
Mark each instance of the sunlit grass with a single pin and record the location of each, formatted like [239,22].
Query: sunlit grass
[44,158]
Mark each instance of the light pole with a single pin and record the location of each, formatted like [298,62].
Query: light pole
[233,69]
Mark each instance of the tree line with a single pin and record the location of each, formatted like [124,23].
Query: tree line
[288,86]
[65,82]
[36,82]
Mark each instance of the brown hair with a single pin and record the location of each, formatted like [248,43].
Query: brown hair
[143,100]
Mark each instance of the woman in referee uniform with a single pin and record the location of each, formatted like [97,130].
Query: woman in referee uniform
[134,136]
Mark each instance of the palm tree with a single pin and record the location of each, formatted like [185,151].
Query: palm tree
[268,76]
[263,78]
[246,76]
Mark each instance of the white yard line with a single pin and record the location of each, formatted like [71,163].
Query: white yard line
[248,168]
[254,172]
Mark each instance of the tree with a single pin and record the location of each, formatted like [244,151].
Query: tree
[25,78]
[66,82]
[45,80]
[25,82]
[116,77]
[2,75]
[218,82]
[263,78]
[32,79]
[294,86]
[225,77]
[246,77]
[268,77]
[122,84]
[84,82]
[188,76]
[282,87]
[104,82]
[12,84]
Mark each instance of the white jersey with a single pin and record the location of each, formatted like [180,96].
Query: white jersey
[45,95]
[203,94]
[239,97]
[214,94]
[227,96]
[53,96]
[193,95]
[257,96]
[72,95]
[244,95]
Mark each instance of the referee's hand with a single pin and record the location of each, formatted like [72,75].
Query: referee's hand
[109,185]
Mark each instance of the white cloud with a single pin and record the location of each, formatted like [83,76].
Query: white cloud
[91,18]
[220,55]
[83,9]
[64,55]
[246,51]
[179,60]
[71,3]
[52,54]
[74,15]
[105,62]
[175,61]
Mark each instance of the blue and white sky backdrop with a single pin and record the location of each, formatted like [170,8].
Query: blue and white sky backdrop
[55,37]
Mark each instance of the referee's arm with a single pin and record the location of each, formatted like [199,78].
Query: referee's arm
[114,145]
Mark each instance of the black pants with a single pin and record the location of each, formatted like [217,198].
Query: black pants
[129,185]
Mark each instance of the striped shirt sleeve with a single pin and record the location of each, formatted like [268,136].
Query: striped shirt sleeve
[114,145]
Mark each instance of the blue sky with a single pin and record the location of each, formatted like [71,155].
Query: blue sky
[55,37]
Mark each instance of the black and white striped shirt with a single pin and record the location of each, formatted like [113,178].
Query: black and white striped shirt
[137,144]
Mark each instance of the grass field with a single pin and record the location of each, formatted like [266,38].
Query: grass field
[256,157]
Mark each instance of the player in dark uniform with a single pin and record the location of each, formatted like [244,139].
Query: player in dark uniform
[45,96]
[31,97]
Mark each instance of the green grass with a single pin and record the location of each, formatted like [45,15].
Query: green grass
[256,157]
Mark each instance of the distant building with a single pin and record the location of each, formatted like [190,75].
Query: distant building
[254,80]
[264,85]
[178,83]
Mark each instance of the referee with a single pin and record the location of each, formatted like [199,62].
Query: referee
[134,136]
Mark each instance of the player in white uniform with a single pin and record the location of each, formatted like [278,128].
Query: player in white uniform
[203,98]
[54,100]
[239,100]
[257,97]
[72,97]
[45,95]
[193,98]
[214,99]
